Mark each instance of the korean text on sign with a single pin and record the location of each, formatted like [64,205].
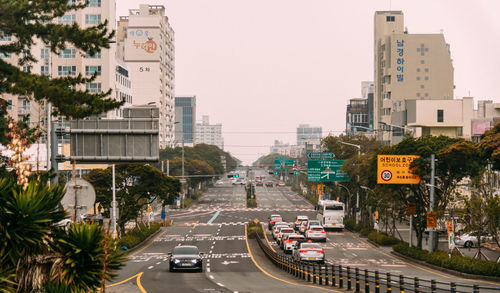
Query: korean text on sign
[395,169]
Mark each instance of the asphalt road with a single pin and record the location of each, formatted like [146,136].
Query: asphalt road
[232,263]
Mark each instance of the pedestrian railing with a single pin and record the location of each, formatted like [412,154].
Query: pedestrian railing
[358,280]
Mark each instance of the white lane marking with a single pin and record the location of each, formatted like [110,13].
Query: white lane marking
[222,285]
[210,252]
[212,247]
[150,267]
[158,263]
[208,270]
[354,254]
[394,266]
[211,277]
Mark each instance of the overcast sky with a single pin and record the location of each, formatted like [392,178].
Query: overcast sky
[261,67]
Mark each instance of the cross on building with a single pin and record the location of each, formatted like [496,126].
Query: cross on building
[422,50]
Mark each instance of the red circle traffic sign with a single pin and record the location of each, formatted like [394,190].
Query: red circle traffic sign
[386,175]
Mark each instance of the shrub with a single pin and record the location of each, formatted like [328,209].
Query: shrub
[382,238]
[251,203]
[138,234]
[364,231]
[456,262]
[254,229]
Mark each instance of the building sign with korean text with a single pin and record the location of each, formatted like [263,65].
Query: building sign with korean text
[142,45]
[395,169]
[400,60]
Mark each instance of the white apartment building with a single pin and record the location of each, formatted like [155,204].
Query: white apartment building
[209,133]
[406,67]
[285,149]
[146,42]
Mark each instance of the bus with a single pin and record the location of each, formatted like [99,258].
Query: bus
[331,214]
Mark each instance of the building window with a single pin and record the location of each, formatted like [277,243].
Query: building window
[440,115]
[426,78]
[390,18]
[4,38]
[27,68]
[94,87]
[44,53]
[90,70]
[418,69]
[5,55]
[427,70]
[421,86]
[418,95]
[460,131]
[422,61]
[97,55]
[67,53]
[418,77]
[66,70]
[93,3]
[92,18]
[9,104]
[71,2]
[67,19]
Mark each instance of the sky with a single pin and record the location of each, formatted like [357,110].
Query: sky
[262,67]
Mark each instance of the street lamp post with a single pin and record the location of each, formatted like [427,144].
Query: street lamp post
[369,189]
[348,192]
[357,193]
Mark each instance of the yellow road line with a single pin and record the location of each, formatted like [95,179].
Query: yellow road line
[124,281]
[139,283]
[267,240]
[274,277]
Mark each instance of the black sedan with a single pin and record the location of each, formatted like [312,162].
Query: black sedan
[186,257]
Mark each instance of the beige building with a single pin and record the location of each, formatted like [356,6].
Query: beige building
[209,133]
[406,67]
[146,44]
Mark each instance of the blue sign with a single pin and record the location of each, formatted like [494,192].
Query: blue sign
[163,213]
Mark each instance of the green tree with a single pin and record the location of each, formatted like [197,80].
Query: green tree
[490,146]
[31,22]
[136,186]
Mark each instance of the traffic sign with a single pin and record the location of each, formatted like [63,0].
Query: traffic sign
[320,155]
[326,171]
[411,209]
[281,164]
[431,219]
[395,169]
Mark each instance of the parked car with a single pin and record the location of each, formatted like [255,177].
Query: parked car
[219,182]
[65,223]
[470,239]
[290,240]
[307,251]
[298,221]
[316,233]
[281,183]
[185,257]
[273,219]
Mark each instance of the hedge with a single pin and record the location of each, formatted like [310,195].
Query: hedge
[138,234]
[456,262]
[255,228]
[382,239]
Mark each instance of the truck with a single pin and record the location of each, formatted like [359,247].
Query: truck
[331,214]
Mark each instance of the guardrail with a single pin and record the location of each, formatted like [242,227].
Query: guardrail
[358,280]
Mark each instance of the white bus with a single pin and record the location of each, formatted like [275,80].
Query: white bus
[331,214]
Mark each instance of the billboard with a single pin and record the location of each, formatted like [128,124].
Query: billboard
[480,127]
[395,169]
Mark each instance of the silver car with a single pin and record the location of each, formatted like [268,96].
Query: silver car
[276,229]
[282,232]
[470,239]
[308,251]
[316,233]
[291,240]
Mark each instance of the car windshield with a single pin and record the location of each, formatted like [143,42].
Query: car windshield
[310,246]
[317,229]
[276,219]
[334,208]
[185,250]
[287,230]
[312,223]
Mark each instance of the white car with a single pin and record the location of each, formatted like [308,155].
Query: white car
[309,224]
[64,223]
[219,182]
[282,232]
[290,240]
[277,228]
[470,239]
[316,233]
[309,252]
[299,220]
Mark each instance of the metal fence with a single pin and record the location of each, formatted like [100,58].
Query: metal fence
[362,279]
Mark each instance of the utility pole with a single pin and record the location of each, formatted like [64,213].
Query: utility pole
[183,180]
[168,168]
[431,202]
[113,204]
[47,141]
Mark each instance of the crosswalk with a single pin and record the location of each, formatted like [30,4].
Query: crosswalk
[222,209]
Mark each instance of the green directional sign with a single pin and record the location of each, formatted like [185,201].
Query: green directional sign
[326,171]
[282,164]
[320,155]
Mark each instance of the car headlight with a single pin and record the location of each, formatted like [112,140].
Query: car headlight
[176,261]
[194,261]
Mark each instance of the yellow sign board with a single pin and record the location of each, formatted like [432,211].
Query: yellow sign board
[431,219]
[449,227]
[395,169]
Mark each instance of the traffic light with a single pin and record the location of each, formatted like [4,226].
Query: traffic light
[275,173]
[236,175]
[296,173]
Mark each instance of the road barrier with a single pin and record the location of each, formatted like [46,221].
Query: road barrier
[334,275]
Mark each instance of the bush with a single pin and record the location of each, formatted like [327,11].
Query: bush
[251,202]
[312,198]
[382,238]
[456,262]
[364,231]
[255,229]
[138,234]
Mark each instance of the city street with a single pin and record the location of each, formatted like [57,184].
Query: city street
[232,263]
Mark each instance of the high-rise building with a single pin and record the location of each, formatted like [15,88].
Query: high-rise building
[185,126]
[146,43]
[71,62]
[359,113]
[309,135]
[209,133]
[406,66]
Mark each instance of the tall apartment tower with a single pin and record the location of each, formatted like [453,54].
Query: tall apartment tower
[71,62]
[146,41]
[406,67]
[209,133]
